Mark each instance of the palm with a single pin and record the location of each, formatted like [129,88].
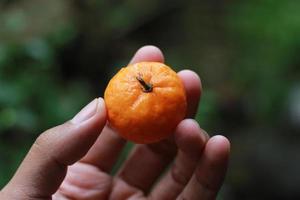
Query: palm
[86,181]
[90,179]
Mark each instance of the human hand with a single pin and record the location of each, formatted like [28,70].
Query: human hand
[72,161]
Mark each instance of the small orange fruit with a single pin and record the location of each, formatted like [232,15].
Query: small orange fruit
[145,102]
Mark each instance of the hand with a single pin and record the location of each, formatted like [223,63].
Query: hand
[197,164]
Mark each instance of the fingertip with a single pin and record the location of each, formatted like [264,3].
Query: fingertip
[101,110]
[97,120]
[218,148]
[193,87]
[191,78]
[189,137]
[101,103]
[148,53]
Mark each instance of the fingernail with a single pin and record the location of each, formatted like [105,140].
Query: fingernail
[87,112]
[100,105]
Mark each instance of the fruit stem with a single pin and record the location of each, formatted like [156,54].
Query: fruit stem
[147,87]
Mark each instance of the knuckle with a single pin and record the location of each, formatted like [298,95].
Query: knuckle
[43,147]
[48,136]
[41,143]
[206,182]
[43,139]
[178,176]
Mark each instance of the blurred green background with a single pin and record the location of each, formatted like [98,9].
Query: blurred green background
[55,56]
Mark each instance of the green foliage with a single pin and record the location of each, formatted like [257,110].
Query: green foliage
[33,94]
[207,113]
[266,35]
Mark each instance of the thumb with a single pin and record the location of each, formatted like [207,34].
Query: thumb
[44,167]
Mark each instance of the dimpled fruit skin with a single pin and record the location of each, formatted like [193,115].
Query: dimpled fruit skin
[145,117]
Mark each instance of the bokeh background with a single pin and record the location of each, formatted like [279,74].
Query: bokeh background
[55,56]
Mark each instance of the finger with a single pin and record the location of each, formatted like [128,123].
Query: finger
[106,150]
[152,158]
[146,163]
[190,141]
[210,172]
[44,167]
[193,88]
[148,53]
[108,146]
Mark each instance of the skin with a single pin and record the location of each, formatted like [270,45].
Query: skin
[74,160]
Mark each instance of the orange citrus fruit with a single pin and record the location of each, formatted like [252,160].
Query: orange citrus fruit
[145,102]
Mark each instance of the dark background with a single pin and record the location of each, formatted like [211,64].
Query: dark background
[55,56]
